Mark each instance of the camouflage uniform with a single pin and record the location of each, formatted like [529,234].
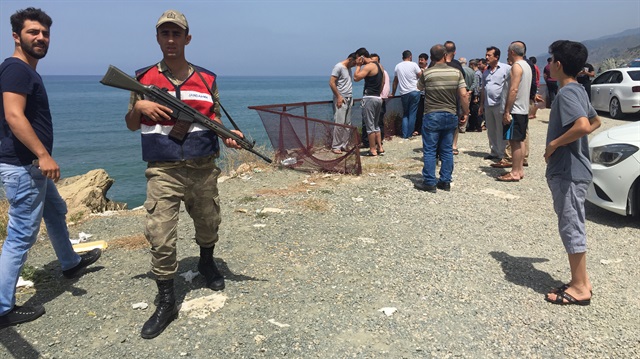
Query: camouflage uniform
[193,182]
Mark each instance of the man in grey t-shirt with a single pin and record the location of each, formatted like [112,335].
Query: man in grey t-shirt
[342,88]
[568,173]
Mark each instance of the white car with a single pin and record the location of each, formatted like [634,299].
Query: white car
[617,91]
[615,162]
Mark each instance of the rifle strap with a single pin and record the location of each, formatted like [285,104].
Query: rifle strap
[211,92]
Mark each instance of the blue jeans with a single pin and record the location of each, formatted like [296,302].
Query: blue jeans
[32,197]
[410,103]
[437,138]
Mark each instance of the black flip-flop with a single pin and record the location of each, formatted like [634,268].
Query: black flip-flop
[562,296]
[562,288]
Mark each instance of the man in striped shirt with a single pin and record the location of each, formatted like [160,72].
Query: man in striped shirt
[442,85]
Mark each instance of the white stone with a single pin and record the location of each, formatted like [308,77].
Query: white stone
[281,325]
[271,210]
[189,275]
[499,194]
[141,305]
[610,261]
[388,311]
[202,307]
[24,283]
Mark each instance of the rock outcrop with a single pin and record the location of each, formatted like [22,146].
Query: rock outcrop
[87,194]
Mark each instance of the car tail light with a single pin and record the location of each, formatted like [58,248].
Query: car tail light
[635,89]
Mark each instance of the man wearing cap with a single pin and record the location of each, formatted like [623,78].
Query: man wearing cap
[178,171]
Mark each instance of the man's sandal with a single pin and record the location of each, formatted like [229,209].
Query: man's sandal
[562,288]
[564,298]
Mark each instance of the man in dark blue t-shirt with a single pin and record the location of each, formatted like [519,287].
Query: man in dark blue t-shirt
[27,170]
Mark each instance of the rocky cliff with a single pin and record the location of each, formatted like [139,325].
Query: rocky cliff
[87,194]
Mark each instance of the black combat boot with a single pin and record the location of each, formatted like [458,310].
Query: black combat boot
[166,310]
[207,267]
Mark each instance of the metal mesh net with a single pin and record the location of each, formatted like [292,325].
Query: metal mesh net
[301,134]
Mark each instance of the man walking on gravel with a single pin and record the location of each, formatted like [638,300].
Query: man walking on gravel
[571,120]
[27,169]
[178,171]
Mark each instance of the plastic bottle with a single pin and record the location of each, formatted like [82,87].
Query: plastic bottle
[289,161]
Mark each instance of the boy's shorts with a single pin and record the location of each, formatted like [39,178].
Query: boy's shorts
[568,202]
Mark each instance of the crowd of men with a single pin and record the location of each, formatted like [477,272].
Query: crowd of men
[450,96]
[500,98]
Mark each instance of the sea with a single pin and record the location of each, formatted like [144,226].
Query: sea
[90,131]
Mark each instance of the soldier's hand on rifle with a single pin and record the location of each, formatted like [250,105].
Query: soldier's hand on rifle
[231,143]
[154,111]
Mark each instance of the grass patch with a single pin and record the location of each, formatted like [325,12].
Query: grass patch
[296,188]
[248,199]
[28,272]
[76,217]
[380,166]
[315,204]
[35,274]
[231,158]
[138,241]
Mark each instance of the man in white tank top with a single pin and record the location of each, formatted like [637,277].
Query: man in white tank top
[515,119]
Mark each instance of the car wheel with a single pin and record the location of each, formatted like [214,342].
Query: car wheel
[614,108]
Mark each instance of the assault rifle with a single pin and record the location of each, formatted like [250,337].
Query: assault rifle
[183,113]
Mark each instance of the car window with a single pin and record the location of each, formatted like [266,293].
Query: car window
[616,77]
[603,78]
[635,63]
[635,75]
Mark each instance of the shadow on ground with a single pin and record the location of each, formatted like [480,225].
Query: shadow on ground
[48,285]
[415,178]
[520,271]
[182,287]
[607,218]
[476,154]
[15,344]
[493,172]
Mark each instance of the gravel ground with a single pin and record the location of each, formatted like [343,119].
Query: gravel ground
[311,259]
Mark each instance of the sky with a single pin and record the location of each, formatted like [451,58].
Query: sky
[306,37]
